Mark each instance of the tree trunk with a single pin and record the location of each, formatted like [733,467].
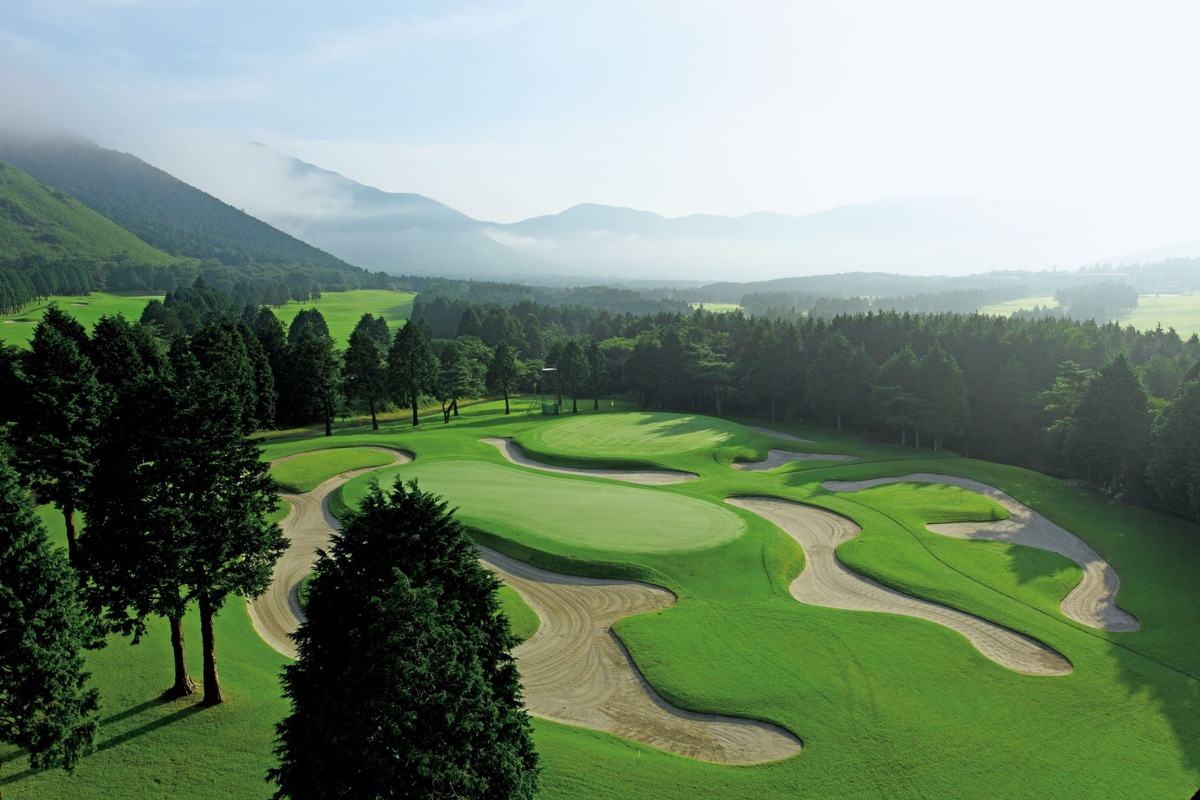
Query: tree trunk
[414,409]
[374,422]
[328,418]
[184,685]
[506,401]
[596,402]
[574,404]
[839,420]
[72,537]
[454,406]
[212,687]
[445,412]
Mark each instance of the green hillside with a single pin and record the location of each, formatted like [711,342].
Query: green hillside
[38,222]
[163,210]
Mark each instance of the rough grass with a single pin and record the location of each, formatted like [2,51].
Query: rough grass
[523,621]
[88,309]
[342,310]
[887,706]
[308,471]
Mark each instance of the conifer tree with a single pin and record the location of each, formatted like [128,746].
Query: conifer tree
[411,368]
[46,706]
[403,684]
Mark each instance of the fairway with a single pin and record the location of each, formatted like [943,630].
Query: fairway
[88,309]
[305,472]
[577,513]
[342,310]
[629,435]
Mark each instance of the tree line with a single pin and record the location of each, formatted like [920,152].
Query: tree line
[148,435]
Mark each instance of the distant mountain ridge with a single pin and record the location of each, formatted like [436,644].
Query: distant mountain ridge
[412,234]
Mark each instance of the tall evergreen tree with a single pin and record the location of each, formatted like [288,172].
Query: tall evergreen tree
[894,397]
[504,371]
[1109,441]
[943,392]
[58,416]
[1174,462]
[411,368]
[364,373]
[403,630]
[46,706]
[573,372]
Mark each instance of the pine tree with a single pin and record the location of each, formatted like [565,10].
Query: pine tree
[1112,426]
[45,704]
[411,368]
[1174,462]
[365,370]
[58,416]
[403,684]
[504,371]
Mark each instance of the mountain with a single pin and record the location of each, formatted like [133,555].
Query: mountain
[411,234]
[41,224]
[158,208]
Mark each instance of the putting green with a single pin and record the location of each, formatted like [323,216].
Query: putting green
[578,513]
[630,435]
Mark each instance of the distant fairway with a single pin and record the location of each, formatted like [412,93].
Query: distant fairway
[630,435]
[569,512]
[88,309]
[342,310]
[1178,311]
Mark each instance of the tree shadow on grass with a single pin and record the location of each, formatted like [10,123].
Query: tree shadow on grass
[1174,693]
[1029,564]
[127,736]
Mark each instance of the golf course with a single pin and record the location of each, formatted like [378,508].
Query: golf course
[848,619]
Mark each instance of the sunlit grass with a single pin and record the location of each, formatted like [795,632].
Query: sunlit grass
[308,471]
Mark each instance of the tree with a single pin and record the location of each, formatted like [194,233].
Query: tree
[504,371]
[942,391]
[177,506]
[403,685]
[314,376]
[457,376]
[46,706]
[840,378]
[1174,463]
[1112,427]
[365,372]
[893,397]
[597,370]
[58,416]
[411,368]
[573,372]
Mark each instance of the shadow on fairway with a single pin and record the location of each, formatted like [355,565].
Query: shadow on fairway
[127,736]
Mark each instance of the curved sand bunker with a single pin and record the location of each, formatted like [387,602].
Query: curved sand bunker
[575,670]
[825,581]
[277,612]
[777,458]
[646,477]
[1093,602]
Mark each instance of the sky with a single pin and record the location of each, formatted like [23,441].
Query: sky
[507,110]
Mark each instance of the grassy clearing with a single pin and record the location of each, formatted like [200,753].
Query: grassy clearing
[718,308]
[308,471]
[18,328]
[1181,312]
[887,706]
[342,310]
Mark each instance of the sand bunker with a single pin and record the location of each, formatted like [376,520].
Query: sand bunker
[1093,602]
[277,612]
[825,581]
[787,437]
[647,477]
[575,670]
[777,458]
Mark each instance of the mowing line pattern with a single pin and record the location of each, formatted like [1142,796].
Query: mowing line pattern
[575,670]
[1093,601]
[276,614]
[825,581]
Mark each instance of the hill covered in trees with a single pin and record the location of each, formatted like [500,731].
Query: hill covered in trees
[171,215]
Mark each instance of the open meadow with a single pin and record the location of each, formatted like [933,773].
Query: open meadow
[340,309]
[1178,311]
[979,679]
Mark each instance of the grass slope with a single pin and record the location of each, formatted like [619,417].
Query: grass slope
[887,706]
[341,310]
[308,471]
[38,221]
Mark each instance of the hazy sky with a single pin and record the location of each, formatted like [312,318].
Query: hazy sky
[508,110]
